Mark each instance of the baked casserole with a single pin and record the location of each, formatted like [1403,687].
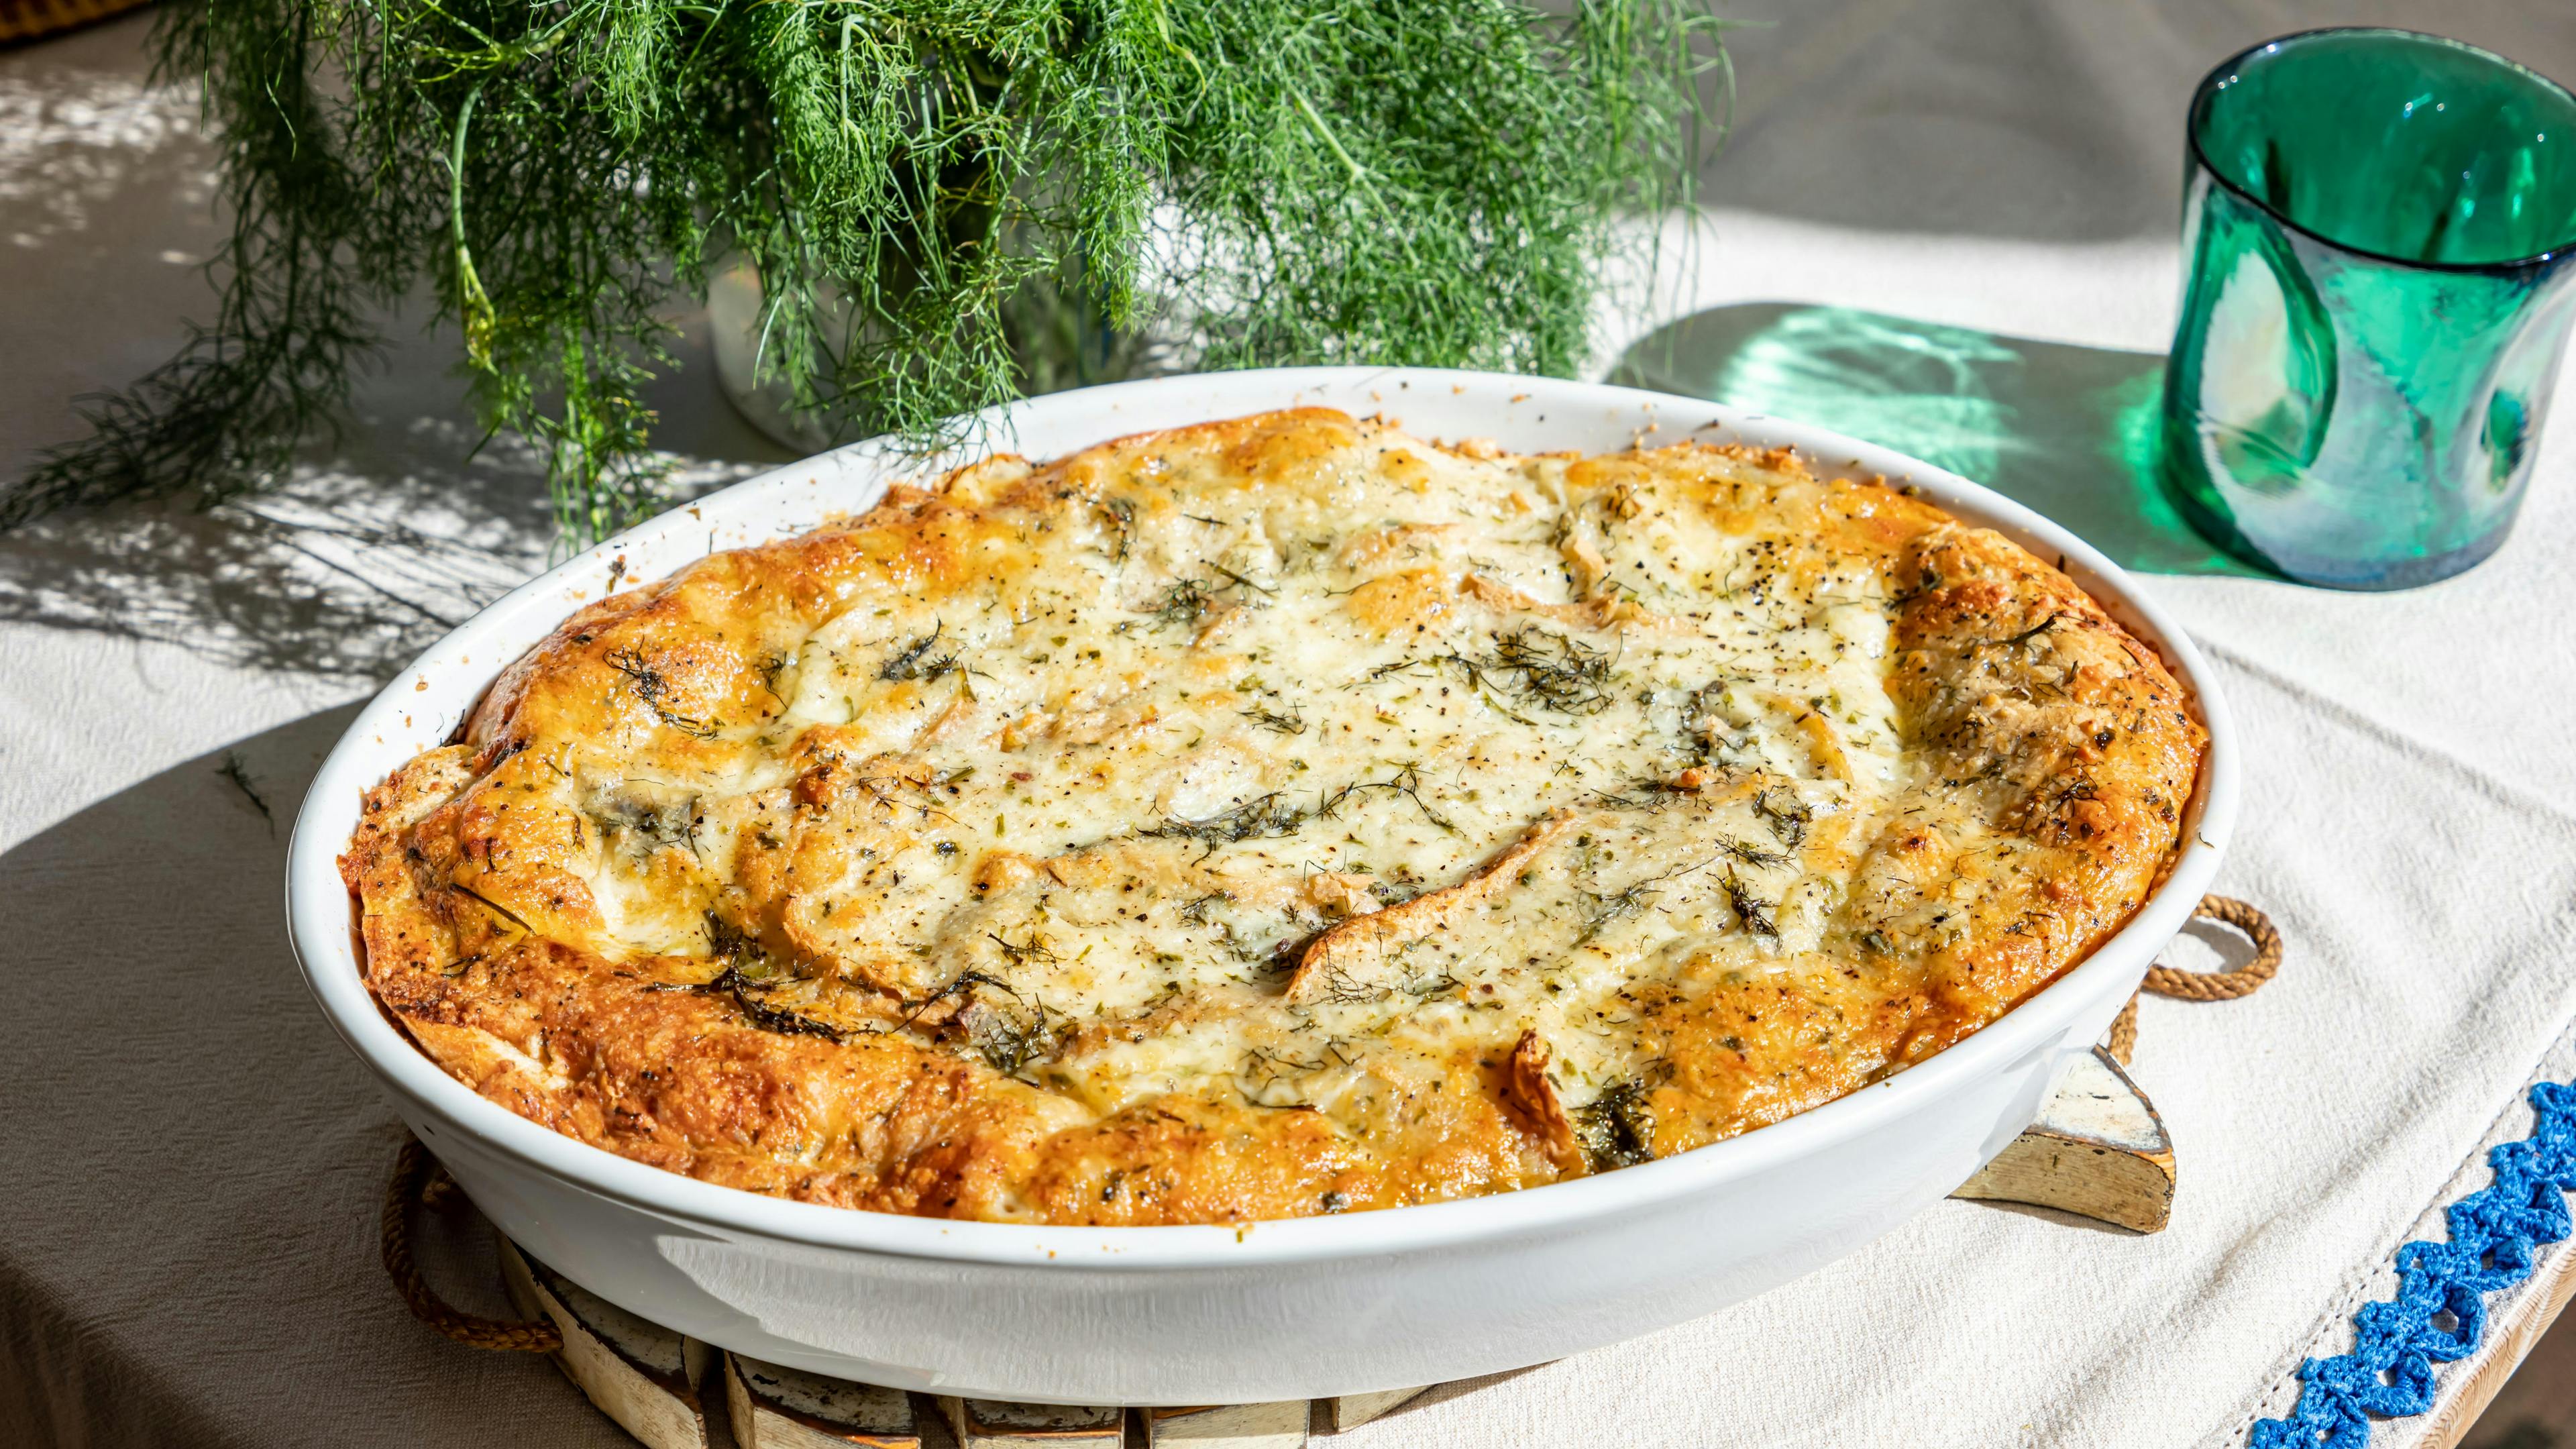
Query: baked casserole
[1273,817]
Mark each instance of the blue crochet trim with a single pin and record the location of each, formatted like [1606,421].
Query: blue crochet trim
[2494,1231]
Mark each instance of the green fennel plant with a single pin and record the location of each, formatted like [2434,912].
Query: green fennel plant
[981,184]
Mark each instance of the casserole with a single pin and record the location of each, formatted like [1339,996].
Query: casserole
[1268,1310]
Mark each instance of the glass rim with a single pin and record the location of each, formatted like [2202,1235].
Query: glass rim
[2207,90]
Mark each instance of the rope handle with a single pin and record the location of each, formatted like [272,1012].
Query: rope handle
[420,1179]
[2206,985]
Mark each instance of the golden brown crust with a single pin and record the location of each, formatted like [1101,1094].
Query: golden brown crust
[1270,817]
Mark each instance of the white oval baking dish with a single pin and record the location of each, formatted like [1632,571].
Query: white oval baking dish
[1275,1310]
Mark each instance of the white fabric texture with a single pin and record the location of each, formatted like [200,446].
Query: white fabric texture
[190,1162]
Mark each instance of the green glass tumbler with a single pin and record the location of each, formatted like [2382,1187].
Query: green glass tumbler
[2380,229]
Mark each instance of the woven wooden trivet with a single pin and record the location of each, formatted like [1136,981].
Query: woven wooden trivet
[2098,1149]
[25,20]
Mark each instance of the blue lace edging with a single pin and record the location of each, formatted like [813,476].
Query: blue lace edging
[2494,1232]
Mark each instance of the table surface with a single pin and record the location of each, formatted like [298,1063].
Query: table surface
[193,1161]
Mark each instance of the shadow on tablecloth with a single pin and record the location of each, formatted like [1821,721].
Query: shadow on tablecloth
[2068,430]
[194,1160]
[376,547]
[386,536]
[343,574]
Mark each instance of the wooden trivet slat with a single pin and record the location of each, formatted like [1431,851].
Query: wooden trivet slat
[641,1374]
[774,1407]
[1352,1410]
[994,1424]
[1229,1426]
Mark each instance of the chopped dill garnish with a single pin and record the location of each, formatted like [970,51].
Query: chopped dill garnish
[1617,1129]
[727,941]
[1183,604]
[658,815]
[1241,582]
[1009,1030]
[1406,782]
[916,662]
[1752,855]
[238,775]
[2024,637]
[653,689]
[963,984]
[1388,892]
[1271,815]
[1755,912]
[750,1000]
[1542,670]
[1009,1039]
[771,665]
[749,979]
[890,792]
[1789,815]
[495,907]
[1022,953]
[1600,911]
[1290,723]
[1930,583]
[1186,601]
[1254,819]
[1556,671]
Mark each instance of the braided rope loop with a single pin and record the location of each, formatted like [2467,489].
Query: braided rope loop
[2206,985]
[418,1179]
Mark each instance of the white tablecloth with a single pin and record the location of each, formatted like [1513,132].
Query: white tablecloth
[189,1162]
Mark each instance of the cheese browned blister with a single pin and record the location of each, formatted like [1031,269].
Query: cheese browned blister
[1278,816]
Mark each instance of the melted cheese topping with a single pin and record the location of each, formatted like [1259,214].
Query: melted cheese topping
[1399,821]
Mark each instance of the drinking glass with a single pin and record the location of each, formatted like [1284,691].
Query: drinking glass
[2380,229]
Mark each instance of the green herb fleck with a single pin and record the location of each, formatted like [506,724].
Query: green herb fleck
[915,661]
[1617,1129]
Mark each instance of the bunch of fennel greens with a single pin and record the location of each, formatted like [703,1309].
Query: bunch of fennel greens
[985,185]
